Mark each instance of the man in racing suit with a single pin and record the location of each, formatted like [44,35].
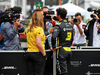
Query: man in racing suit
[64,33]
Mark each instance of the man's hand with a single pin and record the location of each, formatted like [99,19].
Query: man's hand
[51,29]
[46,37]
[23,33]
[80,30]
[57,47]
[96,17]
[77,23]
[44,54]
[51,48]
[54,50]
[98,26]
[17,23]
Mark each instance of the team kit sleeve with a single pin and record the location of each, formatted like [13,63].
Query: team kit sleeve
[39,33]
[11,33]
[54,35]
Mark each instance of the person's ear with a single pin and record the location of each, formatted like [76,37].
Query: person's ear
[59,16]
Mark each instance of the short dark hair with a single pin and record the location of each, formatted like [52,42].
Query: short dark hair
[77,14]
[62,12]
[44,7]
[37,10]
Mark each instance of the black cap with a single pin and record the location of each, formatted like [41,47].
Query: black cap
[90,9]
[17,9]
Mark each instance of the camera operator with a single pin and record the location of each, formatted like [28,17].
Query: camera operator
[10,28]
[93,30]
[47,26]
[79,36]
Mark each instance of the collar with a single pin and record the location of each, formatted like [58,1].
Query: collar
[64,20]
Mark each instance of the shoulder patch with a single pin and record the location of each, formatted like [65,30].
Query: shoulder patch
[59,23]
[39,33]
[65,20]
[27,30]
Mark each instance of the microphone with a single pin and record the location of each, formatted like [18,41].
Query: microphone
[90,9]
[53,23]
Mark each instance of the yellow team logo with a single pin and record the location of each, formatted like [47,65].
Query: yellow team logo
[69,34]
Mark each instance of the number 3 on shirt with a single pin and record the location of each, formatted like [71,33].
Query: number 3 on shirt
[69,34]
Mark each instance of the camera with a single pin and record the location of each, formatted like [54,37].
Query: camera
[46,17]
[96,11]
[75,20]
[92,16]
[16,10]
[9,14]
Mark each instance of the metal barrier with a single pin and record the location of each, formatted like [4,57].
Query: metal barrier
[14,62]
[90,48]
[85,61]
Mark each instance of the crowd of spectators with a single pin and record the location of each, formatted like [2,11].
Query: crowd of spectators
[84,35]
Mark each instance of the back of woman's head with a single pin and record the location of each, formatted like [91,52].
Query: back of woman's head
[37,19]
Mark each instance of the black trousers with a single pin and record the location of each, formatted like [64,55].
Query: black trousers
[35,63]
[64,58]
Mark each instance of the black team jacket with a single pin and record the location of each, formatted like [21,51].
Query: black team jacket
[89,31]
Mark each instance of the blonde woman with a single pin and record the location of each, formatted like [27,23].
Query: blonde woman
[36,48]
